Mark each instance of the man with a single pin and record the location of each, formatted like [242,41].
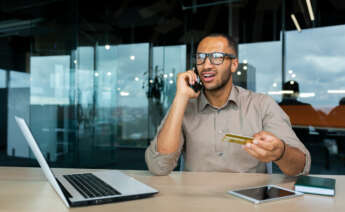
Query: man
[197,121]
[290,98]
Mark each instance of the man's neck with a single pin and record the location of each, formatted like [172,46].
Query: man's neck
[219,97]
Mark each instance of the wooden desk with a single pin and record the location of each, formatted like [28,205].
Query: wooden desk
[26,189]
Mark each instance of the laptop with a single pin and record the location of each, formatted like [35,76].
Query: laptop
[88,188]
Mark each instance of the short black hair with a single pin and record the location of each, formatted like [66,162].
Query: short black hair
[231,41]
[291,85]
[342,101]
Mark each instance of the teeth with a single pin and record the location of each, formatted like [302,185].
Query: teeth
[208,75]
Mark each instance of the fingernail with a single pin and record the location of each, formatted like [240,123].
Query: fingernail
[255,141]
[248,145]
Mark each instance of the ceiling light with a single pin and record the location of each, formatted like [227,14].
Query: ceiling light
[280,92]
[310,10]
[296,23]
[13,25]
[123,93]
[287,92]
[336,91]
[306,95]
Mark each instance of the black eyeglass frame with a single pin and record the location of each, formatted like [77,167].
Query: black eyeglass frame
[211,58]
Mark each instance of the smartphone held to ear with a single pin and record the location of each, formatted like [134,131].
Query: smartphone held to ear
[197,86]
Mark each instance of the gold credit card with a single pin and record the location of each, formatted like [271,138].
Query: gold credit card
[239,139]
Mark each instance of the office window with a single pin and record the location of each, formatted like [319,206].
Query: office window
[263,60]
[317,64]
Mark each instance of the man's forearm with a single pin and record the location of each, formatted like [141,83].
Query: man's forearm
[293,161]
[169,136]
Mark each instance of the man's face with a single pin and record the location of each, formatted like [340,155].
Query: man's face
[215,77]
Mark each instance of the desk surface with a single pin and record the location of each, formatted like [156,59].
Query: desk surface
[26,189]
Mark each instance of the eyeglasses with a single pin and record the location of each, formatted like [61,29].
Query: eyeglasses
[216,58]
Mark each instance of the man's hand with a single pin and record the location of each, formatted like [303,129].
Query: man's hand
[265,147]
[168,139]
[185,79]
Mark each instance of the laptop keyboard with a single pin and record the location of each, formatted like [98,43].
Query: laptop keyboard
[90,186]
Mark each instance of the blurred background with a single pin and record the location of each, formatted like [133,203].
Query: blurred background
[94,79]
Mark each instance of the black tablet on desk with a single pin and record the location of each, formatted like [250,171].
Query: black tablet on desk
[265,193]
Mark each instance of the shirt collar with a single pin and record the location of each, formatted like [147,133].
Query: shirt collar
[233,97]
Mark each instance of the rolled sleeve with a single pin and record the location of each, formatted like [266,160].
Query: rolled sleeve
[162,164]
[277,122]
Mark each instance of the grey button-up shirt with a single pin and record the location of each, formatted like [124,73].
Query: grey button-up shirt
[204,126]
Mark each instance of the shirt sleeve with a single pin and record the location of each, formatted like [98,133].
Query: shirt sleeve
[276,121]
[162,164]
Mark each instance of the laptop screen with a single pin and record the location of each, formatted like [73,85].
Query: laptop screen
[39,156]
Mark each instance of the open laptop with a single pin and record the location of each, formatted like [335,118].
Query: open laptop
[88,188]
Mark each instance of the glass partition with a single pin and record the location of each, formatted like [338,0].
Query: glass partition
[315,68]
[263,60]
[3,80]
[18,104]
[168,61]
[317,64]
[121,99]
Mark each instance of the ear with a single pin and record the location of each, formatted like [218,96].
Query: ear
[234,65]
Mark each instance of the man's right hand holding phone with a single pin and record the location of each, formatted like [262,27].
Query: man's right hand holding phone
[184,82]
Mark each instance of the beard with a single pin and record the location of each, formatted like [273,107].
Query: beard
[226,76]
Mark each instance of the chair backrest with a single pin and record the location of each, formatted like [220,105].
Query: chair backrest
[181,163]
[269,167]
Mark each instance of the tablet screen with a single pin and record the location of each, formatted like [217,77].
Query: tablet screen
[265,192]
